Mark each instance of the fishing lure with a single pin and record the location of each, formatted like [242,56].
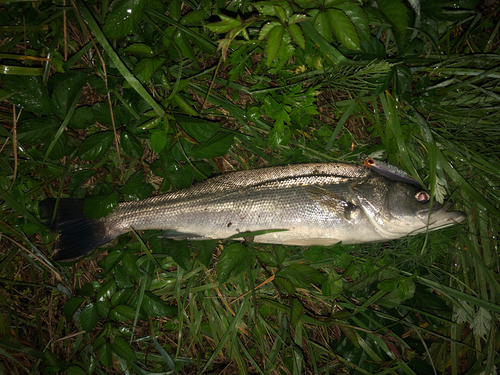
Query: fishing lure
[390,171]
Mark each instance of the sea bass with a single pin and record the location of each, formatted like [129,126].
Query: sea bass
[302,204]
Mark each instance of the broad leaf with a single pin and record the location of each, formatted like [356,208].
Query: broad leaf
[235,259]
[96,146]
[343,28]
[124,18]
[123,349]
[274,41]
[37,130]
[89,317]
[131,145]
[217,145]
[29,93]
[396,13]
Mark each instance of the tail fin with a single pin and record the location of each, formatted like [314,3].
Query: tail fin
[79,235]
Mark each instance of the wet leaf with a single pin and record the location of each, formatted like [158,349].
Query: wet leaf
[206,250]
[89,317]
[66,87]
[343,28]
[123,349]
[154,306]
[96,146]
[106,355]
[131,145]
[78,179]
[82,118]
[197,128]
[135,188]
[333,284]
[122,313]
[71,306]
[297,35]
[235,259]
[215,146]
[396,13]
[158,139]
[36,131]
[29,93]
[139,49]
[274,41]
[179,251]
[124,18]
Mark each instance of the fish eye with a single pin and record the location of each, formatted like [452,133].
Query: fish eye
[422,196]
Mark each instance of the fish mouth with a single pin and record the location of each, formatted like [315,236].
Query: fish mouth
[441,216]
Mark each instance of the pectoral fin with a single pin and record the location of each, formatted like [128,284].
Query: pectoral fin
[331,202]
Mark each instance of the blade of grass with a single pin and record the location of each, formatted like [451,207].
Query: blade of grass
[125,72]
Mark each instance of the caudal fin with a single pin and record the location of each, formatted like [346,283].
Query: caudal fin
[78,234]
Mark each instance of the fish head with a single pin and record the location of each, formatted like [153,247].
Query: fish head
[397,209]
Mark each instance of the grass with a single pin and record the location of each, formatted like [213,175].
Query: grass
[123,100]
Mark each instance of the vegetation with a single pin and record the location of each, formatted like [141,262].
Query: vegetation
[120,100]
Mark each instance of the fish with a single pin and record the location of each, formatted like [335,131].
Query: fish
[298,204]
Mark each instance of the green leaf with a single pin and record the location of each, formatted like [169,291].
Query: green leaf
[305,275]
[78,179]
[101,113]
[296,309]
[60,149]
[89,317]
[106,355]
[75,370]
[36,131]
[66,87]
[154,306]
[96,146]
[322,24]
[217,145]
[158,140]
[274,41]
[139,49]
[131,145]
[284,284]
[124,18]
[194,17]
[358,19]
[97,206]
[227,24]
[123,349]
[267,8]
[129,262]
[235,259]
[29,93]
[71,306]
[395,12]
[264,31]
[333,284]
[82,118]
[122,313]
[197,128]
[135,188]
[343,28]
[179,251]
[206,250]
[279,135]
[297,35]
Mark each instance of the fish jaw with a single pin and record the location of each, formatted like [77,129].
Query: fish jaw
[440,217]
